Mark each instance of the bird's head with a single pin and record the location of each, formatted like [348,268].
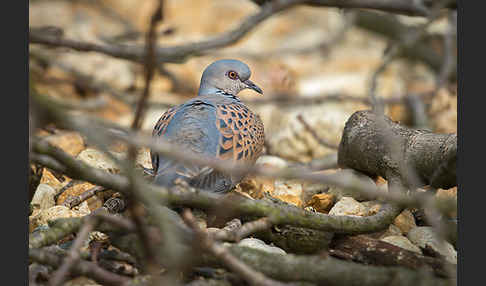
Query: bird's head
[228,76]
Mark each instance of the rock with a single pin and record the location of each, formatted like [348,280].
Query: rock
[260,245]
[448,194]
[143,158]
[405,221]
[287,187]
[392,230]
[340,192]
[232,225]
[82,208]
[372,207]
[70,142]
[425,237]
[288,137]
[443,112]
[291,199]
[271,161]
[44,196]
[48,178]
[256,186]
[348,206]
[289,191]
[116,72]
[321,202]
[98,236]
[97,159]
[402,242]
[309,189]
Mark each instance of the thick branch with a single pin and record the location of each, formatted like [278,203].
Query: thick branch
[431,156]
[330,271]
[405,7]
[367,250]
[204,200]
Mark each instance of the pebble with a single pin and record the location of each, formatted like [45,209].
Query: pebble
[424,236]
[260,245]
[348,206]
[402,242]
[44,197]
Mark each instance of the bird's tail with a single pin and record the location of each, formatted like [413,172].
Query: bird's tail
[168,177]
[205,178]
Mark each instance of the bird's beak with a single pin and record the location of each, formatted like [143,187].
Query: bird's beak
[249,84]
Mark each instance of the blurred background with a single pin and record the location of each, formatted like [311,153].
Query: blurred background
[314,61]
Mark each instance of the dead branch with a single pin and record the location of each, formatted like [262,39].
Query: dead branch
[206,243]
[73,255]
[82,268]
[393,29]
[204,200]
[57,230]
[328,270]
[432,156]
[314,133]
[406,40]
[244,230]
[403,7]
[296,239]
[367,250]
[71,201]
[135,208]
[173,54]
[182,52]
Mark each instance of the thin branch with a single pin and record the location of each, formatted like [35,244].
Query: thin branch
[73,255]
[173,54]
[82,268]
[315,135]
[180,53]
[244,230]
[405,7]
[149,64]
[392,51]
[135,194]
[71,201]
[205,242]
[448,64]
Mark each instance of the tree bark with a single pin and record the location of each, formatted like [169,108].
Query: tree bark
[367,250]
[429,158]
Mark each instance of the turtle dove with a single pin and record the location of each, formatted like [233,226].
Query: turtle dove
[215,123]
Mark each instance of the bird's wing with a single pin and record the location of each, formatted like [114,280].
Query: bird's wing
[227,131]
[191,127]
[242,134]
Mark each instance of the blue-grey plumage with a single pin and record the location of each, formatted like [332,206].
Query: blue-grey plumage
[216,124]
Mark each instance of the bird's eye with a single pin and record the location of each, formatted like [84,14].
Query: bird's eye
[232,75]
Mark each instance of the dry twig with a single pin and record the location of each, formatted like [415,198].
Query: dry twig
[315,135]
[206,243]
[73,255]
